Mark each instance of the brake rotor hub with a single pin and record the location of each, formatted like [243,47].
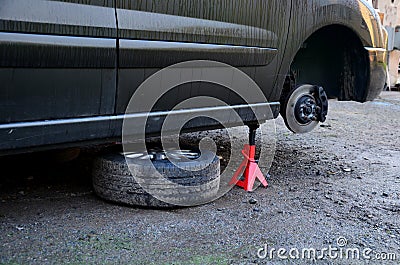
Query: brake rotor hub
[306,110]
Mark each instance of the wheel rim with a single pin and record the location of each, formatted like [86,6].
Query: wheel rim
[160,155]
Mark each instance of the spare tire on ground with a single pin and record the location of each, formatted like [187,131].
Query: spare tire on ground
[113,180]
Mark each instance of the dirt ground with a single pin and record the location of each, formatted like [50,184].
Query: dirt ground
[337,187]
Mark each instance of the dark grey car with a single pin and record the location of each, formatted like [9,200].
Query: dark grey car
[69,67]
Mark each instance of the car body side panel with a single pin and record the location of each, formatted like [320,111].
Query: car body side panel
[90,18]
[241,22]
[57,59]
[249,34]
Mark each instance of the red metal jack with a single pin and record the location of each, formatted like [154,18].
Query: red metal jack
[249,165]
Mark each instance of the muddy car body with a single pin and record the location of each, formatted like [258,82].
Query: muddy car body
[69,68]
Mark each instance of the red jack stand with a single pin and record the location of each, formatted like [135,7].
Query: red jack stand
[249,165]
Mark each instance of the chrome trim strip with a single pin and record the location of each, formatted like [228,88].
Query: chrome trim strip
[12,126]
[182,46]
[53,40]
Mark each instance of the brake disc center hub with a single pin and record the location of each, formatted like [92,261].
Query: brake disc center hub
[306,109]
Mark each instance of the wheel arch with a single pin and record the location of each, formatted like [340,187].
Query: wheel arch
[334,57]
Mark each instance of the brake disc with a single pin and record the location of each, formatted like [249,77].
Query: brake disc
[305,107]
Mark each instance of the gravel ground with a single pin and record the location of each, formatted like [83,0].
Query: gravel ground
[337,186]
